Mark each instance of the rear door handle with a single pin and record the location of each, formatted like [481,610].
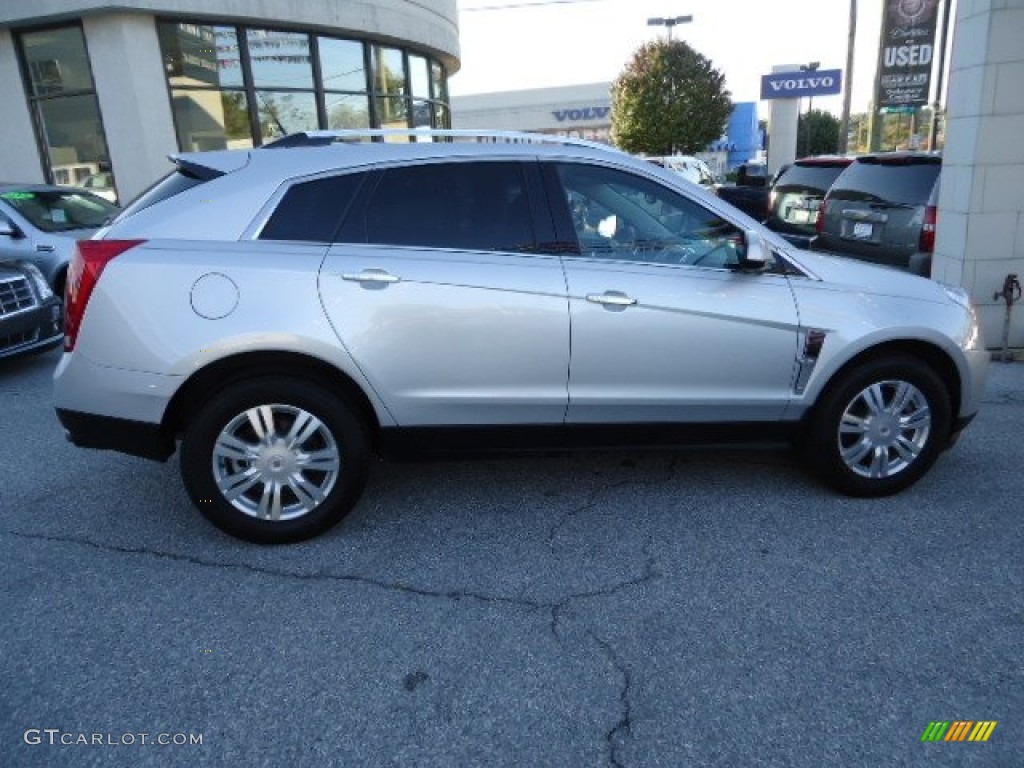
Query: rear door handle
[370,276]
[611,298]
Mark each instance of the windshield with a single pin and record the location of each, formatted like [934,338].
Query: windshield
[59,210]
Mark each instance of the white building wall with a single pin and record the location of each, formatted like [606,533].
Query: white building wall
[133,100]
[563,108]
[428,24]
[980,236]
[19,155]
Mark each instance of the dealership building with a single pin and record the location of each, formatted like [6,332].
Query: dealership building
[585,112]
[93,88]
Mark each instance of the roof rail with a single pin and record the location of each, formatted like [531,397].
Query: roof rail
[323,138]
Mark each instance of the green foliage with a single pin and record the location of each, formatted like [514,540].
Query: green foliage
[236,116]
[817,134]
[669,99]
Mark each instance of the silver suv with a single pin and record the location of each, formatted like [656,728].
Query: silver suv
[282,313]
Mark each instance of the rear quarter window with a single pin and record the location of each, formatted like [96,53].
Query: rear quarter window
[313,210]
[905,182]
[170,185]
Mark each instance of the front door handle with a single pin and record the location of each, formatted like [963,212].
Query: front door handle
[611,298]
[370,276]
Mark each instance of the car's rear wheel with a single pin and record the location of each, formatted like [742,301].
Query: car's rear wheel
[880,427]
[274,460]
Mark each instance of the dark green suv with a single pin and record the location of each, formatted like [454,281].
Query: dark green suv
[882,209]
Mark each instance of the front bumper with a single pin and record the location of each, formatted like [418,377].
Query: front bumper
[33,330]
[974,380]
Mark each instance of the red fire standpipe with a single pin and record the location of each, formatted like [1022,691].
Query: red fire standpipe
[1010,294]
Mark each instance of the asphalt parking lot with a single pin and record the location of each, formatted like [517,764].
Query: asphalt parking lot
[707,608]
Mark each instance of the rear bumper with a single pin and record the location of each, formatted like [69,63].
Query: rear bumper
[136,438]
[35,330]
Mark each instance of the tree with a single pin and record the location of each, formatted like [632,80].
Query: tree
[817,134]
[668,99]
[236,116]
[860,133]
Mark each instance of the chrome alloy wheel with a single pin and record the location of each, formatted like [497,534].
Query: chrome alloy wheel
[884,428]
[275,462]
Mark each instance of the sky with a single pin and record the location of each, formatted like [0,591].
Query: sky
[590,41]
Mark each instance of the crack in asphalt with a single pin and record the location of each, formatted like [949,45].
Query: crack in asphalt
[623,728]
[648,574]
[602,488]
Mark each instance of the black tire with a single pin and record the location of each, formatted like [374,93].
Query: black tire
[310,496]
[906,447]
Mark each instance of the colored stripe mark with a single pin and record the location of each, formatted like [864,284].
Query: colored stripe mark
[982,730]
[935,730]
[959,730]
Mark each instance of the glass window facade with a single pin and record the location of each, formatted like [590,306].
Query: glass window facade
[62,98]
[237,87]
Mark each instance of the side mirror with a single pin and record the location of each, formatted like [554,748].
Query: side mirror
[7,229]
[755,253]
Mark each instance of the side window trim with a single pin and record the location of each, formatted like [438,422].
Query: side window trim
[565,241]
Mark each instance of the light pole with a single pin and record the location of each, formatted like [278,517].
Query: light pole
[658,21]
[933,134]
[844,122]
[811,67]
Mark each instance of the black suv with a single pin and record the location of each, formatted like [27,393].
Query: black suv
[882,209]
[797,194]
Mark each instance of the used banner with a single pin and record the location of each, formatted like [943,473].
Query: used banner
[906,52]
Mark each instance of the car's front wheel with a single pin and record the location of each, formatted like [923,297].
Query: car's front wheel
[274,460]
[880,427]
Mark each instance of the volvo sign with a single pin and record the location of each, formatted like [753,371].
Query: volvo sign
[586,113]
[794,85]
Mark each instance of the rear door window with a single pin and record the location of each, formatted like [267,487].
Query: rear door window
[908,181]
[474,206]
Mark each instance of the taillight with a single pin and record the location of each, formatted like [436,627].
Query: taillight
[87,264]
[819,225]
[927,242]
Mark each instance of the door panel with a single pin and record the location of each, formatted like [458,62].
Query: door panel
[443,300]
[663,328]
[459,337]
[698,344]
